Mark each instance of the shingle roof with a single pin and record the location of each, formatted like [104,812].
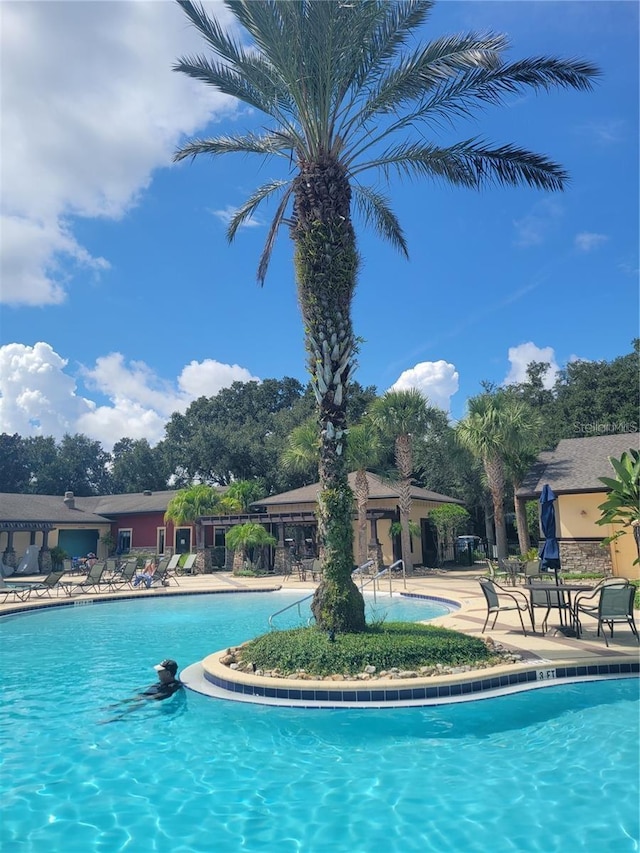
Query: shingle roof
[87,510]
[45,508]
[378,489]
[576,464]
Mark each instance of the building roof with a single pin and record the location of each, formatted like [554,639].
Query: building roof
[378,489]
[577,464]
[48,508]
[79,510]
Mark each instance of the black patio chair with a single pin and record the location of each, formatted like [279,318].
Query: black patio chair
[610,603]
[501,600]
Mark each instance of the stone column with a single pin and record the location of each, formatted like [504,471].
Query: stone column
[9,554]
[44,557]
[374,548]
[280,557]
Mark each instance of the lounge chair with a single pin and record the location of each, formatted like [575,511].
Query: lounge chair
[189,563]
[171,572]
[158,578]
[501,600]
[17,592]
[95,580]
[51,583]
[610,603]
[124,578]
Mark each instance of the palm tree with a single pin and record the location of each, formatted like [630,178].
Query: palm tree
[622,505]
[244,493]
[346,91]
[192,503]
[400,415]
[496,429]
[245,537]
[364,450]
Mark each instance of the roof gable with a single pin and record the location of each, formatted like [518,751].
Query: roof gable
[378,489]
[577,464]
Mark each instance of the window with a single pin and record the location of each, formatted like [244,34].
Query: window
[124,541]
[183,540]
[160,540]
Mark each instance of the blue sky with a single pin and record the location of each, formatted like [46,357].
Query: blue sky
[122,301]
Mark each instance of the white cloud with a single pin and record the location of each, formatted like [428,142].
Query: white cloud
[436,380]
[586,241]
[534,228]
[38,396]
[90,108]
[522,355]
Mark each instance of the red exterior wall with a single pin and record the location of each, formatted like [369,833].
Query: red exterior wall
[144,529]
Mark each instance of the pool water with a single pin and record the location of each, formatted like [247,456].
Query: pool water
[549,770]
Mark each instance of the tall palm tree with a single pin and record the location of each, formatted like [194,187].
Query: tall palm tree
[347,91]
[401,415]
[364,449]
[496,429]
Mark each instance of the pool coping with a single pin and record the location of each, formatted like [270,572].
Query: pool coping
[213,678]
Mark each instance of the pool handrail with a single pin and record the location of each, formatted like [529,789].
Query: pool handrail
[307,597]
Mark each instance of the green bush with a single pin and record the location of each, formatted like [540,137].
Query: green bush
[403,645]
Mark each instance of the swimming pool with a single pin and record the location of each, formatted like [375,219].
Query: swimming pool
[553,769]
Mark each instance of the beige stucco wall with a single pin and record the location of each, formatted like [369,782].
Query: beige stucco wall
[22,538]
[577,516]
[420,509]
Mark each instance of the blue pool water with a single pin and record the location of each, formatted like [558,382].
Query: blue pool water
[548,770]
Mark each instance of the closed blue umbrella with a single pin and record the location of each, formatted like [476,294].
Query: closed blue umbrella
[549,552]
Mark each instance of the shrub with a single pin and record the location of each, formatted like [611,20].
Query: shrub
[403,645]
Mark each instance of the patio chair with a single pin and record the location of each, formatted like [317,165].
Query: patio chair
[513,570]
[94,579]
[501,600]
[552,599]
[495,572]
[610,603]
[532,570]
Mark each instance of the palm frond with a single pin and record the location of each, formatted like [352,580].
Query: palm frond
[250,206]
[276,222]
[440,60]
[472,164]
[269,144]
[255,89]
[375,209]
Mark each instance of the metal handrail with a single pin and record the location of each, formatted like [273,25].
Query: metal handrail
[307,597]
[288,607]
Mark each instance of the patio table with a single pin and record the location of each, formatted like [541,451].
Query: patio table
[569,630]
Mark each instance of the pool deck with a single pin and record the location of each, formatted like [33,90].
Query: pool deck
[545,658]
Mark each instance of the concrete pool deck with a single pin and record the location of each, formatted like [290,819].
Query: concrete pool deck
[548,658]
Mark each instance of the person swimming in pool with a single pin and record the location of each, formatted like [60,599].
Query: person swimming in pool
[167,684]
[164,688]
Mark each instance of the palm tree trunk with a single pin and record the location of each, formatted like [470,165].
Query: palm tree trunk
[495,478]
[524,543]
[326,264]
[362,500]
[404,464]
